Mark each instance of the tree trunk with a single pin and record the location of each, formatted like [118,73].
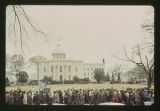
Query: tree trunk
[149,80]
[119,77]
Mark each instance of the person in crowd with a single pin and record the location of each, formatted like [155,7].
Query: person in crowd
[7,97]
[131,98]
[11,99]
[66,98]
[25,99]
[49,99]
[29,98]
[145,95]
[60,96]
[126,97]
[56,97]
[36,99]
[76,98]
[79,96]
[119,96]
[113,96]
[137,98]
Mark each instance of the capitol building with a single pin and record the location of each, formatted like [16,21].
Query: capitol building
[60,68]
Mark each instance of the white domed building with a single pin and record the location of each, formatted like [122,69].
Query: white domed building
[60,68]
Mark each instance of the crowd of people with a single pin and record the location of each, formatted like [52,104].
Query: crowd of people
[128,96]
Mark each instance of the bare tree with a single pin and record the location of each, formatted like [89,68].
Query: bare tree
[147,66]
[116,71]
[17,64]
[35,60]
[144,52]
[20,16]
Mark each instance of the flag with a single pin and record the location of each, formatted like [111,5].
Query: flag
[42,85]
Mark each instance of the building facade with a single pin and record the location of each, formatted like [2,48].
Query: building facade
[60,68]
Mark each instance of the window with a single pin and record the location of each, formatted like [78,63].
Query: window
[76,69]
[65,67]
[56,68]
[88,69]
[44,69]
[84,69]
[69,69]
[61,78]
[60,68]
[51,68]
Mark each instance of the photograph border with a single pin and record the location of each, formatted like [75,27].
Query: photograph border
[154,3]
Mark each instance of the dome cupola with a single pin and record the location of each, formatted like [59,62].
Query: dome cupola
[58,53]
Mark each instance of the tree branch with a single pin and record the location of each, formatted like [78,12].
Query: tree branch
[151,66]
[31,23]
[15,26]
[141,59]
[20,28]
[120,58]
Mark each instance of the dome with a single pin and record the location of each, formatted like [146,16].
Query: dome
[58,53]
[58,50]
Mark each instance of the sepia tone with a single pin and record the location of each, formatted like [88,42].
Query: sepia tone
[85,52]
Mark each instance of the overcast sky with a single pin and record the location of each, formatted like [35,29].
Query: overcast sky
[88,33]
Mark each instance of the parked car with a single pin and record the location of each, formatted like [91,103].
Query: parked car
[143,83]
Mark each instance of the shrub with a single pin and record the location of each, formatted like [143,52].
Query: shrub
[68,82]
[115,82]
[33,82]
[81,81]
[131,82]
[22,77]
[56,82]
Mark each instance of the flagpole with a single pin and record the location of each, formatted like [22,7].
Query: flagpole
[38,77]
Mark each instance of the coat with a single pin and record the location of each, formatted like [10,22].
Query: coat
[11,100]
[29,99]
[49,101]
[7,98]
[25,99]
[137,98]
[36,100]
[113,97]
[76,99]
